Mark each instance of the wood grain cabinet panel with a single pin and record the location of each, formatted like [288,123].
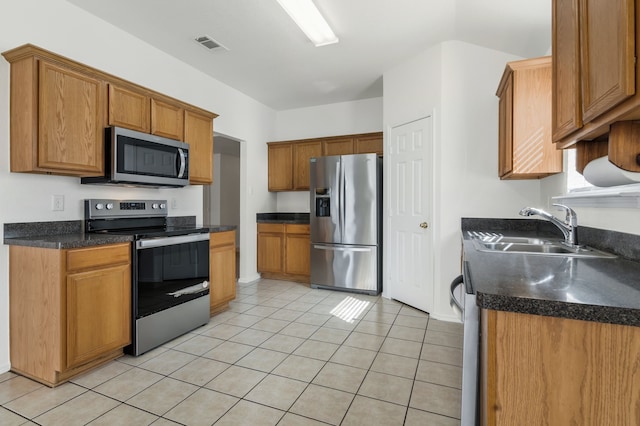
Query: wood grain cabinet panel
[69,310]
[302,153]
[280,167]
[337,146]
[167,119]
[222,262]
[526,149]
[284,251]
[369,144]
[57,117]
[594,46]
[129,109]
[198,133]
[557,371]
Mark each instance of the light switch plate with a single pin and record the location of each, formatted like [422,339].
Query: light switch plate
[57,203]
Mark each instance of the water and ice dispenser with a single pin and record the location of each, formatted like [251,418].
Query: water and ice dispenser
[323,202]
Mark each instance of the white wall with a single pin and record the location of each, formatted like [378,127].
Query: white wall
[456,82]
[344,118]
[80,36]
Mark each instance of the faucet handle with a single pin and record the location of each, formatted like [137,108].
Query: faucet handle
[571,216]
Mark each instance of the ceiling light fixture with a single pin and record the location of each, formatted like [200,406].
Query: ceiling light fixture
[307,16]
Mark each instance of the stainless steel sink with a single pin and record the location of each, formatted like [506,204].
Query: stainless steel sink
[537,246]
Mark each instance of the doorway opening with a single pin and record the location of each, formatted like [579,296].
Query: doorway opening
[221,200]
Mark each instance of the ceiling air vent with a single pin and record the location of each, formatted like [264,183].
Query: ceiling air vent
[209,43]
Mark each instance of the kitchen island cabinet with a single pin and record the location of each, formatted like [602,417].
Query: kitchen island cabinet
[222,264]
[284,251]
[69,310]
[558,371]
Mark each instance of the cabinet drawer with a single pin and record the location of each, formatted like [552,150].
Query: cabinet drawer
[222,238]
[297,228]
[271,227]
[98,256]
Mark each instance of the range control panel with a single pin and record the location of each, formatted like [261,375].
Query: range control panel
[103,208]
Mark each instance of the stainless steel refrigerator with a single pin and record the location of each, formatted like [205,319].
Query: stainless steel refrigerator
[346,229]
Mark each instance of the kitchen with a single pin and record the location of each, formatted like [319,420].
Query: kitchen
[457,80]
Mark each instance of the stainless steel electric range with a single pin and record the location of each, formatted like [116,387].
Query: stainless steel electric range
[170,268]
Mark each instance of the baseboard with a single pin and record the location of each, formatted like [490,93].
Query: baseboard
[4,368]
[448,318]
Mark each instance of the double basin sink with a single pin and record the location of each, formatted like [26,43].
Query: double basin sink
[496,243]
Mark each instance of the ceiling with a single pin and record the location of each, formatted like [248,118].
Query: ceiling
[272,61]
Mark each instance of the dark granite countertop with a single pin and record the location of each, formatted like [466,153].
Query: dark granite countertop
[302,218]
[592,289]
[70,234]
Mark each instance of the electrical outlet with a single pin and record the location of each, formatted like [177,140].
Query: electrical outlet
[57,203]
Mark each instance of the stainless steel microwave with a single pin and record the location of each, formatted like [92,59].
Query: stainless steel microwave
[140,159]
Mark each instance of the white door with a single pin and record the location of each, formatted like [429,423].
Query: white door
[408,242]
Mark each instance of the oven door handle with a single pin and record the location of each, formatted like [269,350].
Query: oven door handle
[170,241]
[453,301]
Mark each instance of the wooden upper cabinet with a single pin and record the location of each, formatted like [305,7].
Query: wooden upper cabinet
[607,34]
[167,119]
[337,146]
[198,133]
[594,46]
[368,144]
[526,150]
[302,153]
[280,167]
[57,117]
[505,128]
[567,103]
[129,109]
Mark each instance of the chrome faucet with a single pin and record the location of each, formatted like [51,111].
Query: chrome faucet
[569,227]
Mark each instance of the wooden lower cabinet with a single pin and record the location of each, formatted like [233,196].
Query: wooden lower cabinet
[541,370]
[222,264]
[284,251]
[69,310]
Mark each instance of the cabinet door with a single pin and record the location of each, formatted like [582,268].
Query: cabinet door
[337,146]
[566,103]
[607,34]
[129,109]
[505,129]
[302,152]
[280,167]
[167,120]
[98,312]
[71,121]
[368,144]
[198,133]
[297,258]
[270,252]
[222,260]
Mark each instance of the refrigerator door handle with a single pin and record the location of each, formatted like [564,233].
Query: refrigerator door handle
[342,200]
[334,248]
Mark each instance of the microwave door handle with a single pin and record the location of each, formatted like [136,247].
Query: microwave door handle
[183,162]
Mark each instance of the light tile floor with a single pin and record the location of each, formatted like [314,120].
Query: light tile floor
[283,354]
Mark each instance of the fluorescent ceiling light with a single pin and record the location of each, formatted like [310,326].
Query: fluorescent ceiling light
[311,22]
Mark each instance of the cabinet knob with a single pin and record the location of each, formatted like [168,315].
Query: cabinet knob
[424,225]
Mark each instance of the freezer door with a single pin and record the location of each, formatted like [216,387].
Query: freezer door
[346,267]
[324,191]
[360,199]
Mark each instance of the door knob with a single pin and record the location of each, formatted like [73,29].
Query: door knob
[424,225]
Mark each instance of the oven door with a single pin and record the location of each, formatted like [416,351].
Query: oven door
[170,271]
